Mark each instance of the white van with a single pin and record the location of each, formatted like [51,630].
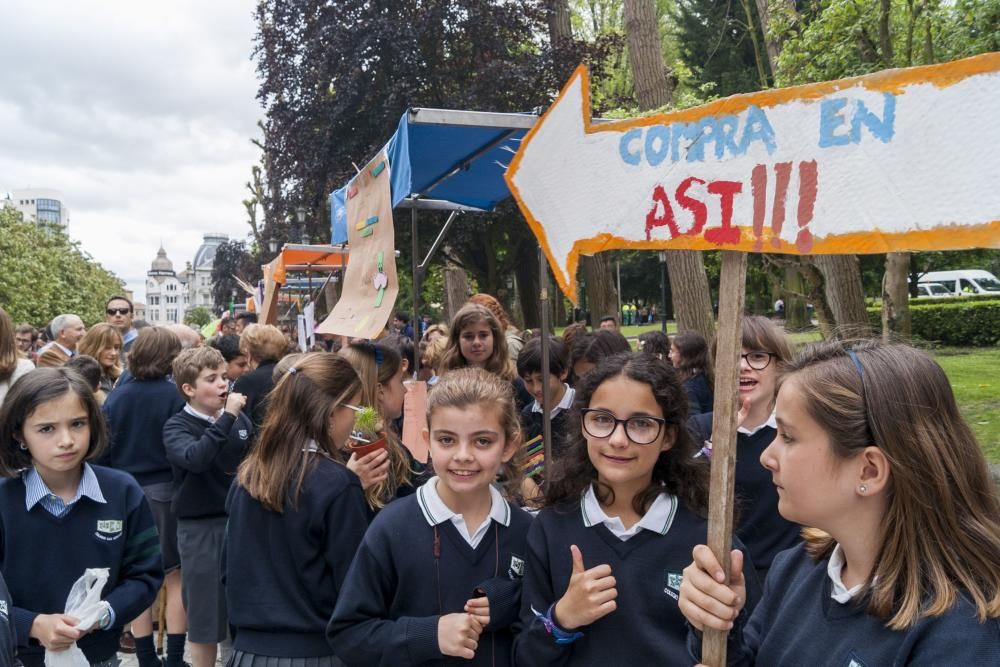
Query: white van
[963,282]
[932,290]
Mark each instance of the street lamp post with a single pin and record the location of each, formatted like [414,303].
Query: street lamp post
[663,290]
[300,213]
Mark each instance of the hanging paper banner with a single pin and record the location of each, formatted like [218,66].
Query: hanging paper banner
[898,160]
[370,284]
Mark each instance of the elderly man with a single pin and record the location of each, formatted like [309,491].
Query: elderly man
[67,330]
[189,337]
[119,313]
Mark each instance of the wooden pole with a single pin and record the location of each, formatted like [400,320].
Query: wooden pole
[732,294]
[543,297]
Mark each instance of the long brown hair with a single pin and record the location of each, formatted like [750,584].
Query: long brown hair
[98,338]
[676,471]
[941,531]
[694,357]
[466,387]
[499,361]
[8,346]
[298,411]
[377,364]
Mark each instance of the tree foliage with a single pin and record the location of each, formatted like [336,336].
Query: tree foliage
[43,273]
[232,259]
[198,316]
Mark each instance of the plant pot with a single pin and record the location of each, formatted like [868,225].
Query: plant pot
[365,448]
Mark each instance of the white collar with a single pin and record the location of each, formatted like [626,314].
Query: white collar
[68,352]
[565,404]
[657,518]
[771,422]
[834,568]
[436,512]
[210,419]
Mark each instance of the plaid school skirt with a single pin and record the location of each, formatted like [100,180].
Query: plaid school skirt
[241,659]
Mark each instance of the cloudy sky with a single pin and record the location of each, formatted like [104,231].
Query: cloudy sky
[139,113]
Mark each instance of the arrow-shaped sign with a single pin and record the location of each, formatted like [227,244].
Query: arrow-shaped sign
[899,160]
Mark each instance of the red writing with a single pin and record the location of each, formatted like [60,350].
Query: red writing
[661,214]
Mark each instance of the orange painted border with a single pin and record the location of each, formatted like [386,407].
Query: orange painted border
[986,235]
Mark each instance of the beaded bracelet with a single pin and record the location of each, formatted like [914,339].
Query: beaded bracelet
[561,636]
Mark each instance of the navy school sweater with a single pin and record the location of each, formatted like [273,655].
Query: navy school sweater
[8,638]
[204,457]
[296,561]
[41,556]
[761,528]
[699,394]
[647,628]
[136,412]
[798,623]
[387,613]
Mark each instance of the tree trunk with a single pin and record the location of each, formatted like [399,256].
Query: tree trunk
[527,286]
[896,297]
[689,288]
[559,25]
[772,42]
[796,317]
[601,294]
[652,83]
[688,282]
[456,290]
[844,295]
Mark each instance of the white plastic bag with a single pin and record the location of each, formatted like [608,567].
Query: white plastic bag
[83,603]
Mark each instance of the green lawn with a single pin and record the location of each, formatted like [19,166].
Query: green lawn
[974,375]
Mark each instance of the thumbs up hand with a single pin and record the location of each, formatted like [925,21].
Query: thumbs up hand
[590,595]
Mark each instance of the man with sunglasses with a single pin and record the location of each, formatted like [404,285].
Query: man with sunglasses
[119,315]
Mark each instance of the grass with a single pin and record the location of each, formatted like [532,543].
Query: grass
[975,377]
[974,374]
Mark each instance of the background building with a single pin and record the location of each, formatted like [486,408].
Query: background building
[166,292]
[171,294]
[40,205]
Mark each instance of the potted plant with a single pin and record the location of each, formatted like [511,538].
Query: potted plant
[367,435]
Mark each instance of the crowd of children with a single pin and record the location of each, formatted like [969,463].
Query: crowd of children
[867,528]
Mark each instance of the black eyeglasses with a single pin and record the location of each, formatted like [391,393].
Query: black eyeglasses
[758,360]
[119,311]
[640,429]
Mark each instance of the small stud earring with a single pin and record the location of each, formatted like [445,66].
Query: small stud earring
[23,446]
[863,489]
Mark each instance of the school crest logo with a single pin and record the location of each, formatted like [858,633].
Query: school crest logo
[516,569]
[243,434]
[109,529]
[672,584]
[3,610]
[854,661]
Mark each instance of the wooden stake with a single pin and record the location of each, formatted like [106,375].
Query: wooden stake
[732,294]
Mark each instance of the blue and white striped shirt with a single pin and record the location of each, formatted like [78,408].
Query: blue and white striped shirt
[37,491]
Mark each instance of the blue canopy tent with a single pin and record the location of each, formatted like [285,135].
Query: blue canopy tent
[444,160]
[449,160]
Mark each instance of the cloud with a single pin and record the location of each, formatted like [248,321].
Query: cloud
[141,115]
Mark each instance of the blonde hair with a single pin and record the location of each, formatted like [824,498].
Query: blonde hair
[375,364]
[465,387]
[433,353]
[468,315]
[98,338]
[941,531]
[263,342]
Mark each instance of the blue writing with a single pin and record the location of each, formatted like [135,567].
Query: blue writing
[655,154]
[758,128]
[726,128]
[629,157]
[679,132]
[881,128]
[829,120]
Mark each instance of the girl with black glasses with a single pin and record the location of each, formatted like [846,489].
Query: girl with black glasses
[623,510]
[766,352]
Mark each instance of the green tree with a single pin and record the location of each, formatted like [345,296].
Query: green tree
[198,316]
[232,260]
[44,273]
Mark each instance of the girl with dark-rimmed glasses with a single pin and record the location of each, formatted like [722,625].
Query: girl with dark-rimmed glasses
[766,352]
[624,508]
